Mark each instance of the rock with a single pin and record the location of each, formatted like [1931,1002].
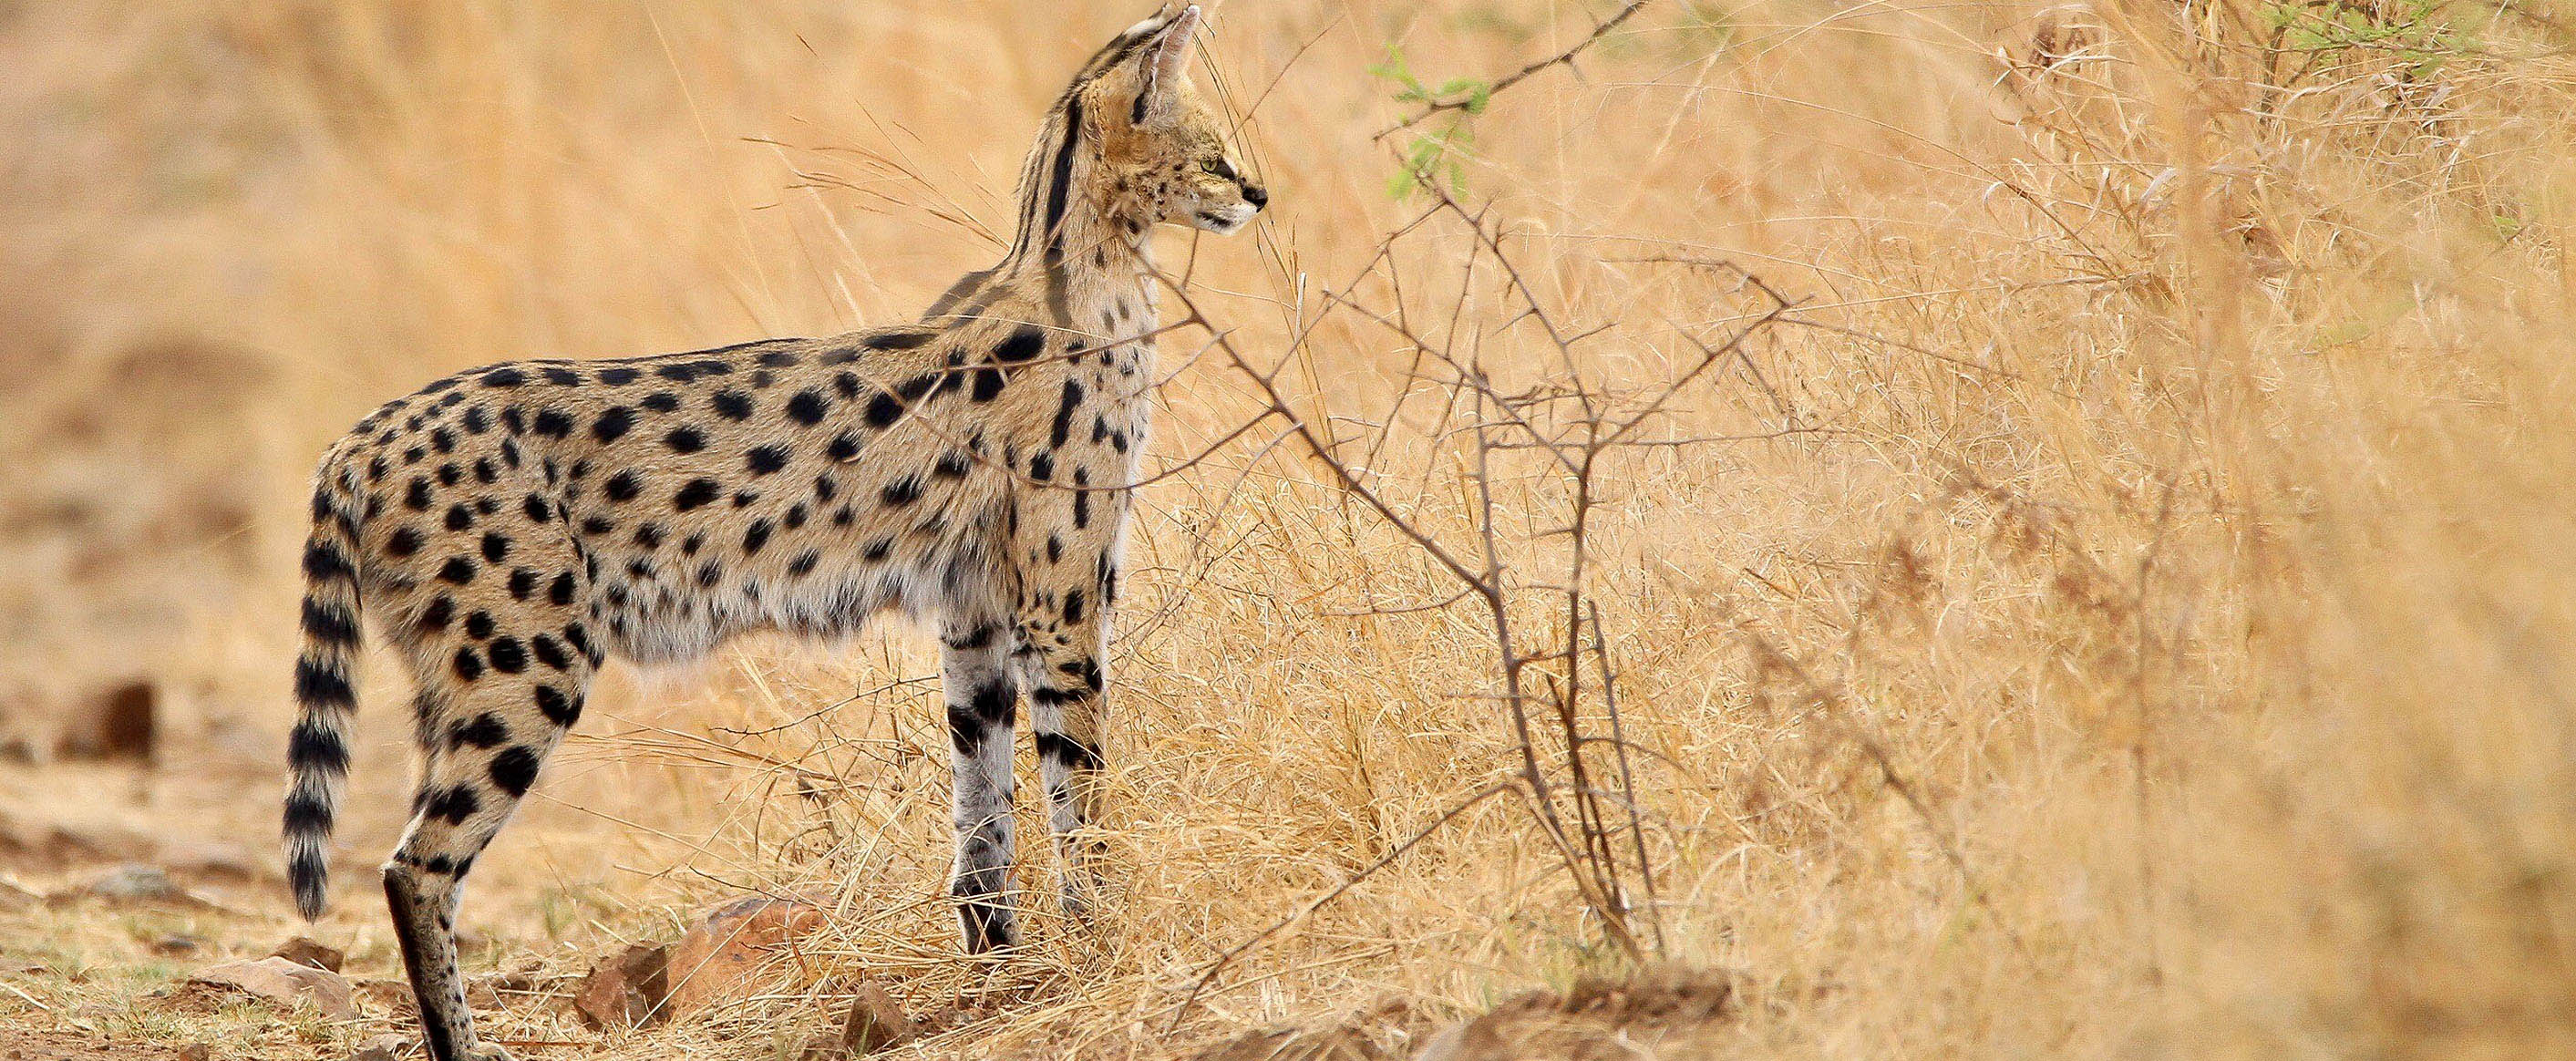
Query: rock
[132,882]
[303,950]
[383,1048]
[734,951]
[626,991]
[197,1052]
[177,946]
[283,981]
[875,1022]
[116,723]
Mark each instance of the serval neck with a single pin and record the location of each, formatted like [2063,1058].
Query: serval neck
[1080,257]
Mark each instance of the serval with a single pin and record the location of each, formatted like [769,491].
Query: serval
[512,527]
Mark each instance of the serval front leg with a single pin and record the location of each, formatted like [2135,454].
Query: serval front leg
[1063,626]
[983,705]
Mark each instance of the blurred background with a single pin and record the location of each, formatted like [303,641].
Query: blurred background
[2123,609]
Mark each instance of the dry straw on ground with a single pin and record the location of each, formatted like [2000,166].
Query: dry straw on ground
[2088,572]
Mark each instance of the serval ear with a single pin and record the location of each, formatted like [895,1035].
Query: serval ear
[1163,70]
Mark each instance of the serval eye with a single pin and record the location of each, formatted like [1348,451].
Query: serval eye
[1212,165]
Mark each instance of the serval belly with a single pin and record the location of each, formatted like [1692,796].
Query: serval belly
[510,528]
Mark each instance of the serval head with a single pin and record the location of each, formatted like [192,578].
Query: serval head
[1163,158]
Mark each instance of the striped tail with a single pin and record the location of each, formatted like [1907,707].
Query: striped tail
[317,751]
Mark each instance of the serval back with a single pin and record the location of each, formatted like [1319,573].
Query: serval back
[510,528]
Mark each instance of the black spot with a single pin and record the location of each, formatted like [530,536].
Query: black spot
[478,625]
[417,497]
[414,454]
[844,446]
[1081,508]
[613,424]
[744,498]
[443,440]
[661,401]
[847,383]
[766,459]
[458,570]
[318,684]
[549,652]
[560,592]
[1055,549]
[808,407]
[512,419]
[1064,410]
[825,489]
[504,377]
[514,770]
[648,535]
[617,377]
[496,546]
[405,541]
[449,475]
[877,550]
[952,465]
[580,642]
[508,656]
[468,665]
[903,491]
[552,423]
[561,377]
[536,509]
[697,494]
[883,409]
[1042,466]
[1072,610]
[685,440]
[690,545]
[1024,343]
[796,516]
[804,563]
[1057,747]
[484,472]
[459,517]
[780,359]
[709,574]
[597,525]
[754,537]
[522,583]
[677,373]
[731,404]
[902,340]
[559,709]
[436,617]
[988,384]
[486,731]
[454,804]
[624,485]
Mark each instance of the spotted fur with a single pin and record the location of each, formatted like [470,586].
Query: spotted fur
[511,528]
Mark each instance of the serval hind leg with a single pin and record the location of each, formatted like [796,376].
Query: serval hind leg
[507,703]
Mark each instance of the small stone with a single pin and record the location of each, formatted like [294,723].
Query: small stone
[626,991]
[383,1048]
[734,950]
[197,1052]
[875,1022]
[132,882]
[302,950]
[283,981]
[177,946]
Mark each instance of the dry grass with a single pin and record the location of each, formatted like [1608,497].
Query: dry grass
[2123,611]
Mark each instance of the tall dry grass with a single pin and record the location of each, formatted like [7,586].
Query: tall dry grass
[2122,610]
